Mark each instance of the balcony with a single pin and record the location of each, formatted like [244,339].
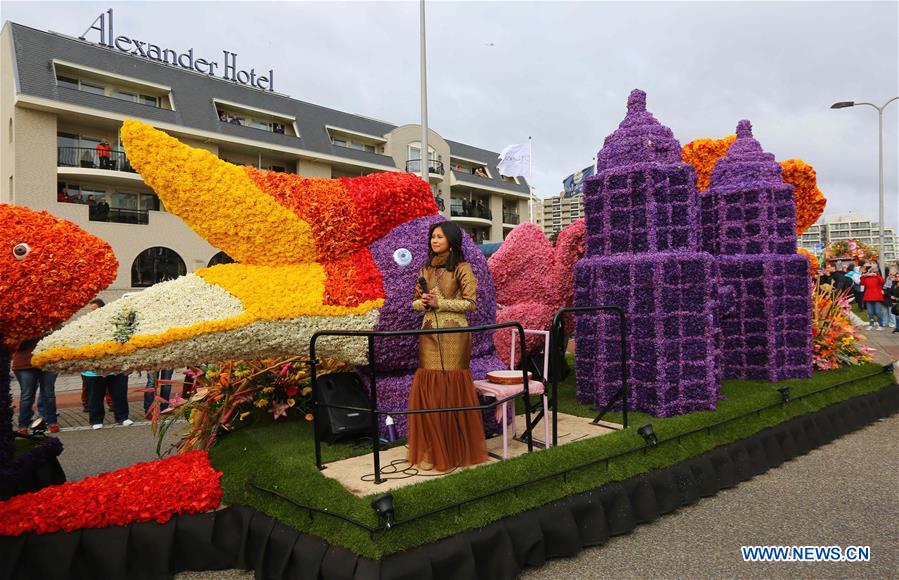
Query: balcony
[435,168]
[120,216]
[87,158]
[472,214]
[511,218]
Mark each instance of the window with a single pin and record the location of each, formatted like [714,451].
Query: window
[112,89]
[220,258]
[155,265]
[233,115]
[92,88]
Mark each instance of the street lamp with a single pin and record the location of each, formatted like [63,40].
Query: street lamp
[424,158]
[847,104]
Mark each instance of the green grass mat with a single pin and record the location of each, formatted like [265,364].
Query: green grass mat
[280,456]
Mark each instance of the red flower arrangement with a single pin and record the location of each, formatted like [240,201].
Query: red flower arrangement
[49,268]
[145,492]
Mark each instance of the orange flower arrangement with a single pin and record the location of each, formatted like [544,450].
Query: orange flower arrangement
[810,201]
[49,268]
[702,154]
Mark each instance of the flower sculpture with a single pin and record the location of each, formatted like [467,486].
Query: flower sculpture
[703,154]
[643,256]
[850,250]
[145,492]
[312,254]
[49,269]
[836,342]
[749,224]
[534,279]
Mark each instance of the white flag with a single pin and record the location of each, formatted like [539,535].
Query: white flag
[515,160]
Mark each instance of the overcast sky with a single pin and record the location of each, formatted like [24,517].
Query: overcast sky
[561,72]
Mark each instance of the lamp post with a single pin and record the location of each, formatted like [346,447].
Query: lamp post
[424,158]
[846,104]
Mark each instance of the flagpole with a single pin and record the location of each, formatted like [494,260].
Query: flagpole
[530,177]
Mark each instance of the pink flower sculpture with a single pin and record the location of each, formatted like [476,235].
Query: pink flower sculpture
[533,280]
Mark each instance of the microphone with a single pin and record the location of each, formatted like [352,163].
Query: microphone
[423,284]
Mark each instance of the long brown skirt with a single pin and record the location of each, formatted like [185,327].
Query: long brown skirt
[451,439]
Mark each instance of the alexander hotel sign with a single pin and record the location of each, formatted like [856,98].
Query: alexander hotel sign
[227,69]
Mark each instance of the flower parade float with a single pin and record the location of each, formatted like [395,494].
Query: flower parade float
[49,269]
[326,254]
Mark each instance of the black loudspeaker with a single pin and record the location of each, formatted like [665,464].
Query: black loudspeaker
[342,389]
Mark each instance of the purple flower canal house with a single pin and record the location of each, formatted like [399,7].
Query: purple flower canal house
[749,224]
[644,255]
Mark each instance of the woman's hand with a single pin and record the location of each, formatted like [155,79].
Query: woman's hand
[430,300]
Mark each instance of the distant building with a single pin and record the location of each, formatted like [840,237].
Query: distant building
[851,226]
[559,211]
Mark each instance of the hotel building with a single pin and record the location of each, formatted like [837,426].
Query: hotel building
[64,100]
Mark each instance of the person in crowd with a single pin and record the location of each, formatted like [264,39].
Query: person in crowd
[103,154]
[91,306]
[444,441]
[63,195]
[102,210]
[279,128]
[890,300]
[165,389]
[873,282]
[91,207]
[77,198]
[825,276]
[839,278]
[466,207]
[440,203]
[32,379]
[853,274]
[480,172]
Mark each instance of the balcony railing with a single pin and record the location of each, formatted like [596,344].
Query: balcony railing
[88,157]
[414,166]
[119,215]
[510,218]
[457,210]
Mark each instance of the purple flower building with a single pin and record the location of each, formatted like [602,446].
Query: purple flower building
[749,222]
[643,255]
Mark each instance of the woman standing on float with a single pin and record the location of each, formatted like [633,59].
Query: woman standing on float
[444,441]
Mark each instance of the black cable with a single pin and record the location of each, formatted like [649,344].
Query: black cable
[408,472]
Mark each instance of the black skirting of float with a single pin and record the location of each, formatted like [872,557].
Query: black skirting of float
[241,537]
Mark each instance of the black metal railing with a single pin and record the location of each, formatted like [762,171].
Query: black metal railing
[510,218]
[414,166]
[459,210]
[90,158]
[118,215]
[375,411]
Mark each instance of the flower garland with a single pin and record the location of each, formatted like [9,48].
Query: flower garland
[49,269]
[145,492]
[231,394]
[835,341]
